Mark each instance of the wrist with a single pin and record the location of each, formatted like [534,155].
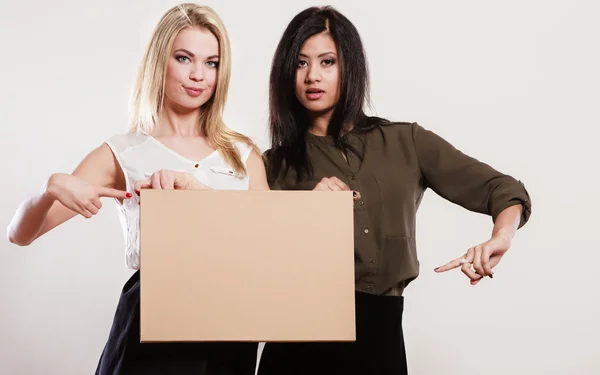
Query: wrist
[50,188]
[503,233]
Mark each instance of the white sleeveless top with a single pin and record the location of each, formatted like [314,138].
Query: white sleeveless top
[141,155]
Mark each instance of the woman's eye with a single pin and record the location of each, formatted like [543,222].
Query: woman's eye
[182,59]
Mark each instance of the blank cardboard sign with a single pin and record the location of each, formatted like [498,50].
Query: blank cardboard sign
[246,266]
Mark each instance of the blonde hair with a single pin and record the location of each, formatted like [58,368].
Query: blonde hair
[148,92]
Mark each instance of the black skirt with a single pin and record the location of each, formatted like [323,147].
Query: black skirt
[125,355]
[378,349]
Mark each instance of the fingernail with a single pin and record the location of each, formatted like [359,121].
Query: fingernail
[435,269]
[491,276]
[128,195]
[137,192]
[354,194]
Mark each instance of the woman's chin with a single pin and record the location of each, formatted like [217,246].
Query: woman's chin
[316,107]
[319,110]
[188,105]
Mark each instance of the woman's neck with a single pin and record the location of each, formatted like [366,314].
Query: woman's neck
[320,123]
[176,121]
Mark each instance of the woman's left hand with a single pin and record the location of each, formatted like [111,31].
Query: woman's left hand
[169,180]
[482,258]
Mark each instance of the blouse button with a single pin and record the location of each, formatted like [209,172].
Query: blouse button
[366,230]
[196,166]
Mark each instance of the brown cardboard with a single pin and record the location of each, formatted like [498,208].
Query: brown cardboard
[246,266]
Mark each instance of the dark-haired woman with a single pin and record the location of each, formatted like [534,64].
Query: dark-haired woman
[323,140]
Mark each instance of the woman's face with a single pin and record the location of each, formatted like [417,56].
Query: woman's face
[318,75]
[192,69]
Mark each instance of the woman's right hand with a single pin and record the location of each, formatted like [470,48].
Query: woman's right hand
[334,184]
[169,180]
[80,196]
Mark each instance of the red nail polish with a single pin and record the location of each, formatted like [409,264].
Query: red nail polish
[128,195]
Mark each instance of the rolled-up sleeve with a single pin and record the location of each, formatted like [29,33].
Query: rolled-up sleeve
[466,181]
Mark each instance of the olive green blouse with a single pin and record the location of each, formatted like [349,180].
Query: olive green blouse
[398,162]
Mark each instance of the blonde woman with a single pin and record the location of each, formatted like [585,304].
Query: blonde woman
[177,140]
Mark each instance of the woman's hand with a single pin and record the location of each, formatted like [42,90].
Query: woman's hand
[80,196]
[170,180]
[482,258]
[334,184]
[487,255]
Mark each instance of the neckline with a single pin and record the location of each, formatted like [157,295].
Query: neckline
[327,139]
[167,148]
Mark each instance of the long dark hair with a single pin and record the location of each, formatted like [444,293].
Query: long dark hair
[289,120]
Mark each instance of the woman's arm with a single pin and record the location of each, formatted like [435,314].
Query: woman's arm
[257,172]
[478,187]
[507,222]
[466,181]
[66,195]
